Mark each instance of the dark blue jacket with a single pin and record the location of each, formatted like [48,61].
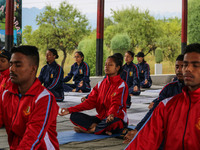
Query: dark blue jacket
[80,73]
[52,75]
[124,75]
[144,72]
[133,76]
[169,90]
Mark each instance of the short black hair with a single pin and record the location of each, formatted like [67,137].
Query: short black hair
[195,47]
[28,50]
[130,53]
[81,54]
[180,57]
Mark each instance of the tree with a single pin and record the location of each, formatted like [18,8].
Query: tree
[170,37]
[120,43]
[61,28]
[193,21]
[27,35]
[139,25]
[88,47]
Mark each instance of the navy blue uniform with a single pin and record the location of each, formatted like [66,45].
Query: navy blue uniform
[132,78]
[169,90]
[52,75]
[79,73]
[124,76]
[144,73]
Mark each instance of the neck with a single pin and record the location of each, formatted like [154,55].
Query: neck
[193,88]
[50,62]
[111,75]
[78,63]
[23,88]
[128,63]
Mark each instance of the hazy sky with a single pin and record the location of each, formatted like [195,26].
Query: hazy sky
[90,6]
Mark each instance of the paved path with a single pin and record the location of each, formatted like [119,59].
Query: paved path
[135,114]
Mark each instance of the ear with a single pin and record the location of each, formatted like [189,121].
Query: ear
[34,68]
[117,68]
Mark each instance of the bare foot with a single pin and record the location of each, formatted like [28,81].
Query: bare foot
[129,136]
[79,130]
[80,91]
[108,133]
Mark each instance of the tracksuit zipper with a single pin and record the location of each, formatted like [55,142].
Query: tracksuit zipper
[105,97]
[16,112]
[186,119]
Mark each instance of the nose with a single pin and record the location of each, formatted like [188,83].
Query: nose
[180,69]
[12,68]
[189,67]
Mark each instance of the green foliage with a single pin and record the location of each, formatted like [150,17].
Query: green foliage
[146,33]
[193,21]
[139,25]
[120,43]
[158,55]
[88,47]
[27,36]
[170,38]
[61,28]
[107,22]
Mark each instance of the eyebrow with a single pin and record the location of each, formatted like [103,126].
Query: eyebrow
[15,62]
[193,62]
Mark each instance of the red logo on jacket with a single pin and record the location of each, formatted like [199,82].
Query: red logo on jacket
[27,111]
[113,94]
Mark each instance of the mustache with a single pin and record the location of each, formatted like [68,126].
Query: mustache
[12,74]
[179,74]
[188,74]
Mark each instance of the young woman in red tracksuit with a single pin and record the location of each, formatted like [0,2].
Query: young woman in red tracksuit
[4,68]
[109,98]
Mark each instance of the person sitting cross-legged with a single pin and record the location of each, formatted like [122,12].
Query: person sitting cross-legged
[109,98]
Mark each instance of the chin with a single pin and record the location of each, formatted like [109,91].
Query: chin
[14,81]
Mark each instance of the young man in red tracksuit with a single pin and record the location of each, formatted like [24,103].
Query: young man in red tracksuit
[27,109]
[176,120]
[109,98]
[4,68]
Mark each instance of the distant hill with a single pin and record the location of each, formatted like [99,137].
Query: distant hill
[29,17]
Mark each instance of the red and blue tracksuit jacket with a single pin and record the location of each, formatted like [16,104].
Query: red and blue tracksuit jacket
[30,119]
[52,75]
[133,76]
[144,73]
[4,77]
[176,120]
[169,90]
[108,97]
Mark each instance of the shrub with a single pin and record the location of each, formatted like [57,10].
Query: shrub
[88,47]
[120,43]
[158,55]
